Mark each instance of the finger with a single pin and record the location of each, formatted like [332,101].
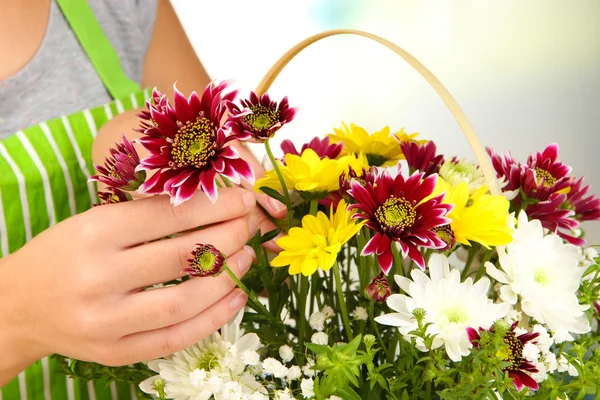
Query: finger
[157,343]
[153,218]
[165,260]
[157,308]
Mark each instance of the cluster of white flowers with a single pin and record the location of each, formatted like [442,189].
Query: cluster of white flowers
[543,274]
[462,171]
[216,367]
[450,306]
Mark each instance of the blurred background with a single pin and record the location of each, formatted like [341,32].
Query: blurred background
[525,73]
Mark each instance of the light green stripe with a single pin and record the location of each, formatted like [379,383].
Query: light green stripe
[34,189]
[50,162]
[58,382]
[35,381]
[102,390]
[124,391]
[13,210]
[11,390]
[83,135]
[78,179]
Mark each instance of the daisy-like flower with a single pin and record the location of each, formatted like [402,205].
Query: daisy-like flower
[187,145]
[422,157]
[512,352]
[119,170]
[543,274]
[450,306]
[211,367]
[310,175]
[586,208]
[206,261]
[379,289]
[399,210]
[479,217]
[322,147]
[258,117]
[113,196]
[381,148]
[317,243]
[455,172]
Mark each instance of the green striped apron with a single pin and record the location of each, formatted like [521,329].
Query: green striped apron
[44,173]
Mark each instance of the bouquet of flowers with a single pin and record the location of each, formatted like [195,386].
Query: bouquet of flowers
[403,273]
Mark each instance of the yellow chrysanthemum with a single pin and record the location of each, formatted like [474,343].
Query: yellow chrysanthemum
[381,148]
[480,217]
[309,173]
[317,243]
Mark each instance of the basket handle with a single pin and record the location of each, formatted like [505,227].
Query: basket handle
[459,115]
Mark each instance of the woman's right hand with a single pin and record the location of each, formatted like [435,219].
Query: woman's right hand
[77,288]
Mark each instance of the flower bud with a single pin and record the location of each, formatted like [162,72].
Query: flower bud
[206,261]
[379,289]
[369,340]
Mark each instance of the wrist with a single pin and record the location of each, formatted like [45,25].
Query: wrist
[18,351]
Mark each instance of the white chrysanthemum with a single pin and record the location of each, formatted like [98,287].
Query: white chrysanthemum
[317,321]
[306,370]
[308,388]
[250,357]
[328,311]
[273,367]
[565,366]
[463,171]
[450,306]
[361,314]
[294,372]
[320,338]
[210,368]
[286,353]
[544,274]
[285,394]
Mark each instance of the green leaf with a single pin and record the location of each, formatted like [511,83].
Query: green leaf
[351,348]
[317,348]
[272,193]
[269,235]
[347,393]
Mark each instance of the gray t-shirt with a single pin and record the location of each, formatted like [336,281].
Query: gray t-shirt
[60,79]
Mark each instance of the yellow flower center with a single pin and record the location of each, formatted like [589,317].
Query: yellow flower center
[540,276]
[512,352]
[540,174]
[396,213]
[194,144]
[262,118]
[455,315]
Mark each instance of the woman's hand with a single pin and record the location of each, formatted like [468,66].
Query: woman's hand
[77,288]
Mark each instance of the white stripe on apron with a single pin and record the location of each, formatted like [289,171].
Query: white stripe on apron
[63,166]
[46,372]
[91,123]
[22,386]
[45,180]
[82,164]
[22,192]
[3,240]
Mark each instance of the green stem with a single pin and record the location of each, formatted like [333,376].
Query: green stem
[342,301]
[486,258]
[284,189]
[470,258]
[226,181]
[252,297]
[371,310]
[398,264]
[314,207]
[303,288]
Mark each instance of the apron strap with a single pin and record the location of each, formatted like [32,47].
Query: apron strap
[103,56]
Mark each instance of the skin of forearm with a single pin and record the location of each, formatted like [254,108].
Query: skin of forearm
[17,353]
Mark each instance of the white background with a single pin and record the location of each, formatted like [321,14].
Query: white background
[525,73]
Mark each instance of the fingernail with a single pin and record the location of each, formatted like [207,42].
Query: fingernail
[249,199]
[238,301]
[244,261]
[250,250]
[276,205]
